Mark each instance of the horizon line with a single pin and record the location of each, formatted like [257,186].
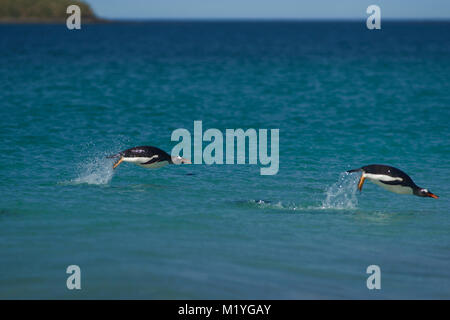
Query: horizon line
[268,19]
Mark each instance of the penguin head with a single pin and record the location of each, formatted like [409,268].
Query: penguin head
[423,192]
[180,160]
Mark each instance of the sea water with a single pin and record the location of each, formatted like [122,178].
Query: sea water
[342,97]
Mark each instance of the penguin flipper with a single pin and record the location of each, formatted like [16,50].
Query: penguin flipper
[153,159]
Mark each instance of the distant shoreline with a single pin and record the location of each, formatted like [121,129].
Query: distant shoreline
[44,11]
[96,20]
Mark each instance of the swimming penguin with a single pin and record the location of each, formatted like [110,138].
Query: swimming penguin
[391,179]
[147,157]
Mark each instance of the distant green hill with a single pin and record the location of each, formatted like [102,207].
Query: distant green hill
[42,10]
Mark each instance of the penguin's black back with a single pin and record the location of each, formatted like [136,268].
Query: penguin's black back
[389,171]
[148,152]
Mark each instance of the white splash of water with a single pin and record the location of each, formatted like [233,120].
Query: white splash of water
[342,194]
[264,204]
[96,170]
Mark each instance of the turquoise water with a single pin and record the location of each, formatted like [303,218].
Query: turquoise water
[342,97]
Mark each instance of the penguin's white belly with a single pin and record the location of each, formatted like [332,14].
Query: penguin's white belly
[154,165]
[392,188]
[137,160]
[141,160]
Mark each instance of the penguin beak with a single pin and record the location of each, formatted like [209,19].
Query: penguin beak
[431,195]
[118,162]
[187,161]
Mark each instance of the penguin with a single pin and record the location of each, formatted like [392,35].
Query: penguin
[147,157]
[391,179]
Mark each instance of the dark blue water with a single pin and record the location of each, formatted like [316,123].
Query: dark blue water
[342,97]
